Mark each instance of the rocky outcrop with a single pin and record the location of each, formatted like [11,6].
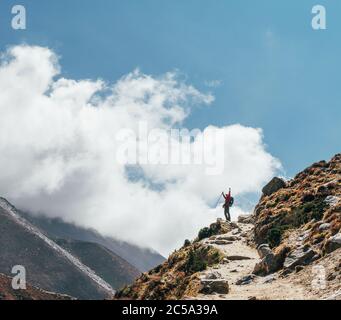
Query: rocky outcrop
[298,222]
[178,277]
[273,186]
[295,228]
[311,202]
[217,228]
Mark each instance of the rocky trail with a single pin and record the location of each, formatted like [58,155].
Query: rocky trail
[289,248]
[234,274]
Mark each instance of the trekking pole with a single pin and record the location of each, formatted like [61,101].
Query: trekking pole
[218,202]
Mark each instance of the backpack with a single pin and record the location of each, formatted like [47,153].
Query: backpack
[231,202]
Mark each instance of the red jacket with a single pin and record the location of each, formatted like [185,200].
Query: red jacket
[227,198]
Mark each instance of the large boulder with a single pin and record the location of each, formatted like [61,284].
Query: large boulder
[297,257]
[273,186]
[333,243]
[270,262]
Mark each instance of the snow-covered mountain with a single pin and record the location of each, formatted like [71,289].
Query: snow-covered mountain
[48,265]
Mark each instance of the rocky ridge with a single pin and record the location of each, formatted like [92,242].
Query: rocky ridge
[289,248]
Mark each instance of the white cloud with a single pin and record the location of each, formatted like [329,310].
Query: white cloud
[58,152]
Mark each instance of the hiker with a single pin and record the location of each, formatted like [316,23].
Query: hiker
[228,203]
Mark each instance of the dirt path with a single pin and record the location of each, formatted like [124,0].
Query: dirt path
[239,263]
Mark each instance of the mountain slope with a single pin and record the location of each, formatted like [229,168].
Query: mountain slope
[141,258]
[48,266]
[30,293]
[290,248]
[175,277]
[110,267]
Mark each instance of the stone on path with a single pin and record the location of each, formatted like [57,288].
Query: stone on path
[218,286]
[236,257]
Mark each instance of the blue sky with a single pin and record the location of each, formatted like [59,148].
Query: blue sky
[274,71]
